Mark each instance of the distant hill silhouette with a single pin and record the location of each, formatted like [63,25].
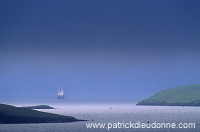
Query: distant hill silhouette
[39,107]
[11,114]
[188,95]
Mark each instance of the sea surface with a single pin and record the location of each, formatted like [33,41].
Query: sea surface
[111,113]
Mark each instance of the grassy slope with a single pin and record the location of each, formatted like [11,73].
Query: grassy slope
[12,114]
[183,94]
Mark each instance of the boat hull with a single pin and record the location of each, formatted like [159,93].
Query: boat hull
[60,97]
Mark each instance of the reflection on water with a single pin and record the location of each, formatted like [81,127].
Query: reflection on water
[110,113]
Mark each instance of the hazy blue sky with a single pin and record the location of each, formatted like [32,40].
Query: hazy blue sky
[100,49]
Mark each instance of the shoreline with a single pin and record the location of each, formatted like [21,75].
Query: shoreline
[17,115]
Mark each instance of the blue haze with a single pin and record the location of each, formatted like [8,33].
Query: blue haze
[101,50]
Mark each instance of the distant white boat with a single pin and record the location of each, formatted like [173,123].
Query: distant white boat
[61,94]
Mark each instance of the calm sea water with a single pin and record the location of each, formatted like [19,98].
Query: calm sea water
[113,113]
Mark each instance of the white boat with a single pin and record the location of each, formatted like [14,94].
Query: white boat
[61,94]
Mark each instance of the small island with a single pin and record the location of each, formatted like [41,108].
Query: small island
[39,107]
[12,115]
[188,95]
